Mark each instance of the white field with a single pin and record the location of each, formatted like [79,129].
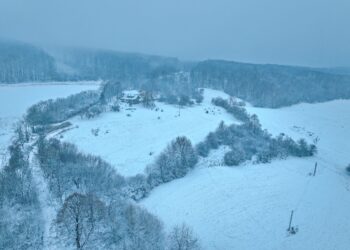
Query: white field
[248,207]
[126,141]
[244,207]
[15,99]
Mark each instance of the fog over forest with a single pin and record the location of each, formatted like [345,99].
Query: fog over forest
[307,33]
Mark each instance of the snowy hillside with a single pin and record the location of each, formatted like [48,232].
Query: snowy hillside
[244,207]
[248,207]
[131,139]
[16,98]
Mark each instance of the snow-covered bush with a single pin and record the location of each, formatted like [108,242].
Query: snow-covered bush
[212,140]
[234,157]
[137,187]
[202,149]
[183,238]
[238,111]
[115,108]
[348,169]
[174,162]
[93,112]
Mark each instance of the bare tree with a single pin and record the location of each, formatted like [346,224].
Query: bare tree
[79,218]
[182,238]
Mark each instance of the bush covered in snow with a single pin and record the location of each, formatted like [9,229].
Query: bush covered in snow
[183,238]
[174,162]
[234,157]
[348,169]
[93,111]
[202,149]
[237,110]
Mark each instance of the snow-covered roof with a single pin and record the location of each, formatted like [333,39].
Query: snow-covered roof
[131,94]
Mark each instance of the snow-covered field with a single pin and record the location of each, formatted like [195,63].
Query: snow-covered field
[245,207]
[15,99]
[131,142]
[248,207]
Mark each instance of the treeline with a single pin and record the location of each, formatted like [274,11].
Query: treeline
[21,223]
[21,62]
[175,89]
[271,85]
[54,111]
[235,108]
[262,85]
[130,68]
[87,104]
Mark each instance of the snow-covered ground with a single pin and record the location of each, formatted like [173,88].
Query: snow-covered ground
[15,99]
[245,207]
[248,207]
[131,139]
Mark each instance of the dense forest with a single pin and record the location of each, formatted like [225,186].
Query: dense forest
[271,85]
[131,68]
[262,85]
[21,62]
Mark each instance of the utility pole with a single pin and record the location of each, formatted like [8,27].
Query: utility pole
[315,169]
[290,221]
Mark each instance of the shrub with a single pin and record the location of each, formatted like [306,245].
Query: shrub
[202,149]
[348,169]
[234,157]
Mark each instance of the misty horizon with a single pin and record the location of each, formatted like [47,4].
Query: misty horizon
[312,34]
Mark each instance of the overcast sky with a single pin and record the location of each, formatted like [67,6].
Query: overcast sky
[297,32]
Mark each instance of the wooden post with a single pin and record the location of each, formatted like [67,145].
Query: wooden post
[315,168]
[290,221]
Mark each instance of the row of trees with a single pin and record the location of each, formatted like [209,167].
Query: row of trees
[88,104]
[54,111]
[235,109]
[21,223]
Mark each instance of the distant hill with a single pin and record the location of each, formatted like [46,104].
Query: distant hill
[262,85]
[271,85]
[93,64]
[20,62]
